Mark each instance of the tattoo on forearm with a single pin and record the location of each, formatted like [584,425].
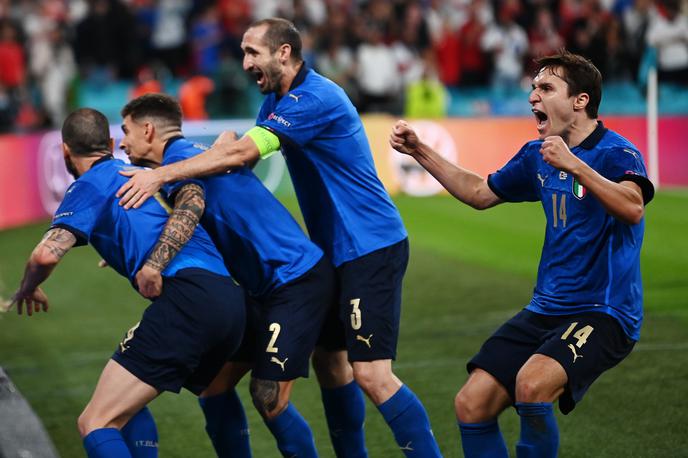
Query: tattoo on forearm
[188,209]
[58,241]
[265,394]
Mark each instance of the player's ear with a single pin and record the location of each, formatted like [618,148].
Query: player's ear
[581,101]
[149,131]
[285,53]
[65,150]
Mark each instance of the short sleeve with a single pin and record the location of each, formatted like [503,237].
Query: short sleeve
[515,181]
[79,211]
[297,118]
[626,164]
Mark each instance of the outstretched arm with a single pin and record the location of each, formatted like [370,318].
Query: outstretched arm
[47,254]
[468,187]
[189,205]
[226,153]
[624,200]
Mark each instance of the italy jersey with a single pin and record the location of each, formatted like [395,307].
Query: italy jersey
[590,260]
[261,243]
[347,210]
[125,238]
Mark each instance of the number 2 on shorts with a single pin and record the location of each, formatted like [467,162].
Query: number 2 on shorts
[275,328]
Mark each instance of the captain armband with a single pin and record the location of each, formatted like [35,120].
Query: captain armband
[267,142]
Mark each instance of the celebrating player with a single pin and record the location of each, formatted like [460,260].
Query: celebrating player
[287,277]
[166,350]
[348,214]
[586,311]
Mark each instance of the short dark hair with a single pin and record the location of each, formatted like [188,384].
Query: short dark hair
[580,74]
[86,131]
[279,32]
[159,106]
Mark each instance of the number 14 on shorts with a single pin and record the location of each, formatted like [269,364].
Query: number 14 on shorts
[581,335]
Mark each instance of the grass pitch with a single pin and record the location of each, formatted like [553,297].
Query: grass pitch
[469,272]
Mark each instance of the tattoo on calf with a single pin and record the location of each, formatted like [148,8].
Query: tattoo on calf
[265,394]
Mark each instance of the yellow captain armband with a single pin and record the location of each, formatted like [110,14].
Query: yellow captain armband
[267,142]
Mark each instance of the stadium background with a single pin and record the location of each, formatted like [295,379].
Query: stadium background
[469,271]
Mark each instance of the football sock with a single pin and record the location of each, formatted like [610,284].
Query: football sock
[409,422]
[539,431]
[226,425]
[105,443]
[141,435]
[345,412]
[482,440]
[293,435]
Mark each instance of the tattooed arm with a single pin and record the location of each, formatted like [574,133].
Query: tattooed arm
[189,205]
[44,258]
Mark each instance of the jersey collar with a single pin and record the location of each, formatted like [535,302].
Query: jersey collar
[105,158]
[594,138]
[300,76]
[169,142]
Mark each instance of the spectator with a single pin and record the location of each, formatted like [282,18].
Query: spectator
[475,66]
[543,37]
[636,19]
[668,33]
[377,75]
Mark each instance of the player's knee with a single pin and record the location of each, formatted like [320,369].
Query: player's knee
[332,368]
[266,397]
[468,408]
[531,389]
[86,423]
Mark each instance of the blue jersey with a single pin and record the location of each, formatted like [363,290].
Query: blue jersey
[261,243]
[590,260]
[347,211]
[125,238]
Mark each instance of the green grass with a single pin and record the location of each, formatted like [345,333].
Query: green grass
[469,272]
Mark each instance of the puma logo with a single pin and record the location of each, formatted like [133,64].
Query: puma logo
[542,180]
[278,362]
[130,335]
[575,355]
[364,340]
[295,97]
[407,446]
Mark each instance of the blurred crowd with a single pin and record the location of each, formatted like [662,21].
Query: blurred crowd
[387,54]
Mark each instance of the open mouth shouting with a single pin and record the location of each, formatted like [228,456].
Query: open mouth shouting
[541,118]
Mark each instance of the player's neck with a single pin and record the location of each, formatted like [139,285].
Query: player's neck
[580,130]
[290,72]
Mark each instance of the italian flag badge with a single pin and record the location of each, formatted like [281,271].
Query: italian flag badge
[578,190]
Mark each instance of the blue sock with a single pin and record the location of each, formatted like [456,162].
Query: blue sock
[141,435]
[105,443]
[345,412]
[293,435]
[226,425]
[482,440]
[409,422]
[539,430]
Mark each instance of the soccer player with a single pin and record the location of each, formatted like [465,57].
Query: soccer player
[348,214]
[289,280]
[184,335]
[586,310]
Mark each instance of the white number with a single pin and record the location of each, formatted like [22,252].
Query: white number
[356,315]
[561,214]
[275,329]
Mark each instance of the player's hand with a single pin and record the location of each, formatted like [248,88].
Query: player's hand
[142,185]
[556,153]
[149,282]
[227,137]
[403,138]
[33,300]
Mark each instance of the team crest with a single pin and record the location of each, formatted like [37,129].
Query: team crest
[579,190]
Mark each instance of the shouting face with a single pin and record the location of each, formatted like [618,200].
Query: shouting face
[553,107]
[260,62]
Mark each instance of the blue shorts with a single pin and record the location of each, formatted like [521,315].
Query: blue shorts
[285,324]
[186,334]
[370,302]
[585,344]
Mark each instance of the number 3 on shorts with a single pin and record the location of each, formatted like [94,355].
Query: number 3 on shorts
[581,335]
[356,315]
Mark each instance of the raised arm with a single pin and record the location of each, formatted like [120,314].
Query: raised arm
[47,254]
[468,187]
[624,200]
[189,205]
[226,153]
